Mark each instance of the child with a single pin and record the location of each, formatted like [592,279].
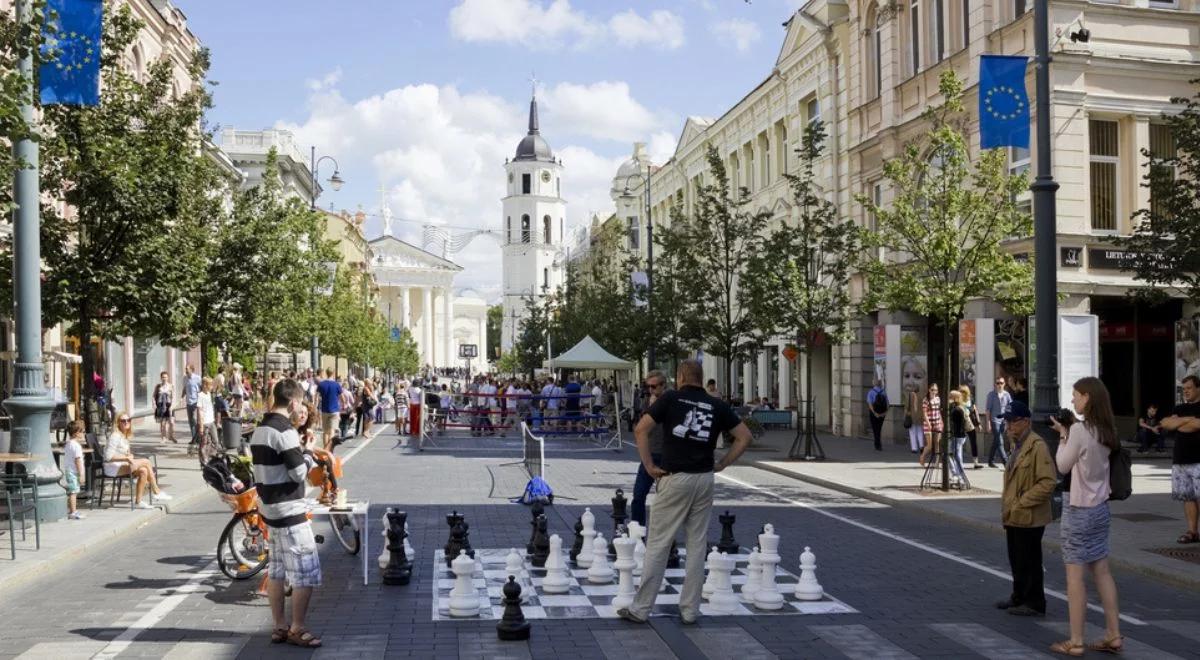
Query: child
[1150,430]
[73,466]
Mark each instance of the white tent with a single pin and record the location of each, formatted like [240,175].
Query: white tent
[587,354]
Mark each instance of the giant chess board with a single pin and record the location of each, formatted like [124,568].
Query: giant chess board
[586,601]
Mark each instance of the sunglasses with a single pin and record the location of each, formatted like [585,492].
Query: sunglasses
[654,386]
[122,421]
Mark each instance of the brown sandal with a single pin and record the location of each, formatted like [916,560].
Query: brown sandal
[1109,645]
[1188,537]
[306,639]
[279,635]
[1066,647]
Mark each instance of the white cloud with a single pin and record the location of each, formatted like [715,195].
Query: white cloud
[662,146]
[737,32]
[327,81]
[544,25]
[604,110]
[662,29]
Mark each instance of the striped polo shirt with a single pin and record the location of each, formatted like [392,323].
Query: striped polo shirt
[279,471]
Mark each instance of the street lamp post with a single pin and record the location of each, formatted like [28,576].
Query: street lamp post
[645,179]
[1045,260]
[30,404]
[335,182]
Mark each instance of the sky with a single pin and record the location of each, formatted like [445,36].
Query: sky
[426,98]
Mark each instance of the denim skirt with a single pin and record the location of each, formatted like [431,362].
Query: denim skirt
[1085,533]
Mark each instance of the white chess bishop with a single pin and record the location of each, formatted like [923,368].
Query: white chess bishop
[464,601]
[600,572]
[556,580]
[584,559]
[624,565]
[707,589]
[768,597]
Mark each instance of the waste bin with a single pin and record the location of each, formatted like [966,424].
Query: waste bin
[231,432]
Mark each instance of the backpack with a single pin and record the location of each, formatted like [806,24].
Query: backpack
[1120,474]
[881,403]
[537,490]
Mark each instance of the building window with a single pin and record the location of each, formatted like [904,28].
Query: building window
[545,279]
[914,36]
[546,229]
[1164,4]
[938,28]
[781,150]
[557,187]
[966,23]
[874,47]
[812,110]
[1103,159]
[631,231]
[525,229]
[1018,163]
[526,183]
[1162,145]
[1019,8]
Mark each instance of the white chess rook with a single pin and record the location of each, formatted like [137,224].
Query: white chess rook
[768,597]
[556,580]
[464,601]
[600,571]
[584,559]
[707,590]
[723,599]
[624,565]
[753,577]
[808,588]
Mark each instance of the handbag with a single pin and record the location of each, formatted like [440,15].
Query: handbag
[908,421]
[969,420]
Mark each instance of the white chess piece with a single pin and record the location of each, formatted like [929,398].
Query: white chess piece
[753,577]
[624,565]
[384,556]
[707,589]
[600,571]
[768,597]
[514,565]
[556,580]
[723,599]
[464,601]
[584,559]
[408,549]
[637,532]
[808,588]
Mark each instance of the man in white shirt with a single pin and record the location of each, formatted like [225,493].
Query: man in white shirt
[207,417]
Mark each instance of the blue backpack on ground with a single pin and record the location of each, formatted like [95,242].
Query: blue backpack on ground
[537,490]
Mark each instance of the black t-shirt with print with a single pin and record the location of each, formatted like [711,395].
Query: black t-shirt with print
[692,420]
[1187,445]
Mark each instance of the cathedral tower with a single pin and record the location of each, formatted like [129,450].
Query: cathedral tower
[533,222]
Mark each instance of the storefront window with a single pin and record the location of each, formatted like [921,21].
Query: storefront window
[114,373]
[141,389]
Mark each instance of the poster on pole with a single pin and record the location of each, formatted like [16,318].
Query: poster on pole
[880,373]
[891,337]
[967,354]
[914,357]
[1078,351]
[1187,353]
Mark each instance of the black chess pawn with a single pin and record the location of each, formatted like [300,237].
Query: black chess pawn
[578,545]
[399,569]
[512,627]
[673,556]
[541,543]
[727,544]
[537,509]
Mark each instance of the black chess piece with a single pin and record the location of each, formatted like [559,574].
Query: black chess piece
[399,569]
[455,543]
[673,556]
[466,539]
[541,543]
[537,509]
[452,519]
[578,545]
[619,515]
[512,627]
[727,544]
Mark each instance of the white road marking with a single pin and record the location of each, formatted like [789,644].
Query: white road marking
[916,544]
[169,603]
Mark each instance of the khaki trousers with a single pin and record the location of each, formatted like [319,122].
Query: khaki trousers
[327,425]
[681,499]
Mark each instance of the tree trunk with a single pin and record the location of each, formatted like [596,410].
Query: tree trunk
[946,439]
[88,367]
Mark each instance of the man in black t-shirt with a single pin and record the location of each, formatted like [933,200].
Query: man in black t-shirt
[1185,468]
[691,421]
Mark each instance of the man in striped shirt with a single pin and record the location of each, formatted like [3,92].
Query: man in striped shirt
[280,468]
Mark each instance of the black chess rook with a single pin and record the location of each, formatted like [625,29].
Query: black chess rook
[727,544]
[513,626]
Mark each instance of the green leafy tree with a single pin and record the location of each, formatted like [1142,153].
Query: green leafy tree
[946,228]
[140,194]
[800,278]
[530,344]
[710,252]
[1165,244]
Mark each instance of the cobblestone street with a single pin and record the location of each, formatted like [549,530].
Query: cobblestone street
[921,587]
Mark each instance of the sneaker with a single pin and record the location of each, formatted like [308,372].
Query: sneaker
[143,505]
[687,619]
[624,613]
[75,516]
[163,495]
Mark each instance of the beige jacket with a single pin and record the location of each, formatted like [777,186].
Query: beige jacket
[1028,484]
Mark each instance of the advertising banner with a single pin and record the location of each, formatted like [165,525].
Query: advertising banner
[1187,353]
[967,354]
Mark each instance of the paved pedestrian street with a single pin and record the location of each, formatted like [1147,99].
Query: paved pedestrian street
[918,586]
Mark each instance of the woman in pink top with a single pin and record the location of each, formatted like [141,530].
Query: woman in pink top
[1085,521]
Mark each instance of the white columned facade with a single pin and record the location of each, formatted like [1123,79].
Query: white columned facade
[447,327]
[747,381]
[764,374]
[427,325]
[405,309]
[785,381]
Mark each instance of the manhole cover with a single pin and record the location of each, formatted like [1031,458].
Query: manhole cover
[1141,517]
[1186,554]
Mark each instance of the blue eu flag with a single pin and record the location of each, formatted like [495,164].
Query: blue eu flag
[1003,103]
[70,54]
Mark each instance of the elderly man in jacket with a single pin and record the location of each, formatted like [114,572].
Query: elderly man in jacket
[1025,511]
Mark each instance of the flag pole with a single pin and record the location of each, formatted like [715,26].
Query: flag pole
[30,404]
[1044,232]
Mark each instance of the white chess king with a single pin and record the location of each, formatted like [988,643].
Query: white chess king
[624,565]
[768,597]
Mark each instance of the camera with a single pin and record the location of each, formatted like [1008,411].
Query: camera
[1064,416]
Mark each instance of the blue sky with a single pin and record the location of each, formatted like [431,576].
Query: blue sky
[427,97]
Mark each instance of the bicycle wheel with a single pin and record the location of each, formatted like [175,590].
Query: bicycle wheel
[242,548]
[346,531]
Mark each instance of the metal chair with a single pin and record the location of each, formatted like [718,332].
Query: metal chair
[20,498]
[99,478]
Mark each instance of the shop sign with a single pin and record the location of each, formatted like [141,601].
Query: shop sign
[1110,258]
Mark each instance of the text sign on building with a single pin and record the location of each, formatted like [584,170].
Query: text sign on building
[1071,257]
[468,351]
[1109,259]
